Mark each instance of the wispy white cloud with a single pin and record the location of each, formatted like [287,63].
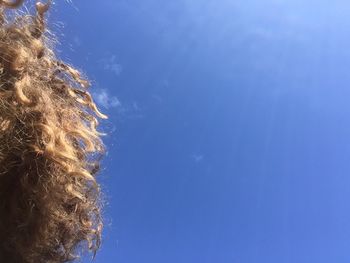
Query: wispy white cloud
[131,110]
[107,101]
[135,106]
[77,41]
[111,64]
[124,111]
[197,157]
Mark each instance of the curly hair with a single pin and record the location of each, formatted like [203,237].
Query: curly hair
[50,148]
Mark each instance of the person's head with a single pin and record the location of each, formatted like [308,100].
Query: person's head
[49,147]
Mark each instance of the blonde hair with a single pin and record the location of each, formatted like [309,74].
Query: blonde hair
[50,149]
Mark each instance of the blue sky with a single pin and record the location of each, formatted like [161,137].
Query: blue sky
[229,129]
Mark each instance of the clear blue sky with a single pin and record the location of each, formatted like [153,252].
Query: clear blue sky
[229,129]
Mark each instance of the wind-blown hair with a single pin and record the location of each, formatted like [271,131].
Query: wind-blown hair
[50,148]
